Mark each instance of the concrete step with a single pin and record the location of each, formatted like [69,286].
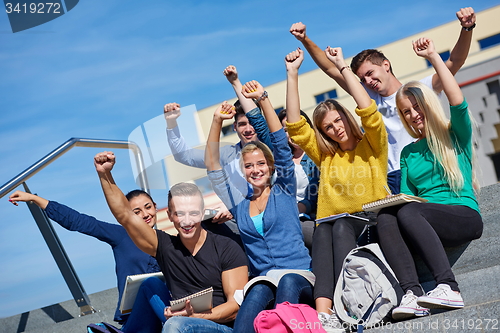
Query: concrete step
[477,270]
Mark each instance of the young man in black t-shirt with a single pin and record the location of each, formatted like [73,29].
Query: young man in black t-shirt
[191,261]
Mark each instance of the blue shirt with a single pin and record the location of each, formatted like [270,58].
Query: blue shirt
[129,260]
[282,245]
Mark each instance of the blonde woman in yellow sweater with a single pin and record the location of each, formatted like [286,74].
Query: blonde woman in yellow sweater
[353,167]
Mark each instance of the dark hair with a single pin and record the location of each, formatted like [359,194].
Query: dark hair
[239,110]
[135,193]
[184,190]
[282,115]
[374,56]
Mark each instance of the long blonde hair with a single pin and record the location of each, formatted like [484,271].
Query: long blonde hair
[437,132]
[327,144]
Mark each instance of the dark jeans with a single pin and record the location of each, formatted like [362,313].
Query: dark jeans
[426,228]
[148,311]
[293,288]
[331,244]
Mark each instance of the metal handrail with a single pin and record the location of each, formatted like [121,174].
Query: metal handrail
[46,229]
[65,147]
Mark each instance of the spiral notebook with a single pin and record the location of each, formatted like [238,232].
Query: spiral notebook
[393,200]
[200,301]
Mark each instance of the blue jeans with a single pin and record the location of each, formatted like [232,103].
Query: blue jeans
[181,324]
[148,311]
[293,288]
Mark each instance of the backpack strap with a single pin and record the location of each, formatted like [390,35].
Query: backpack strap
[97,328]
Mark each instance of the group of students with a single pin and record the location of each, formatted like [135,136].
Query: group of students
[285,172]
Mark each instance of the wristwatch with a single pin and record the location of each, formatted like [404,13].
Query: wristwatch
[469,28]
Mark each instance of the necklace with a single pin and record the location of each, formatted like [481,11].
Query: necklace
[257,206]
[263,197]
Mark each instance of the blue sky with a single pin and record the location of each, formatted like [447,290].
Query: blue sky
[106,67]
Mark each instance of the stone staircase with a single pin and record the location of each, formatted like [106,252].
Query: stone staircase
[477,270]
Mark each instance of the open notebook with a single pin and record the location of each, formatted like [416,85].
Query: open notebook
[392,200]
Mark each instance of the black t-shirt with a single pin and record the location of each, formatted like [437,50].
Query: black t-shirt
[186,274]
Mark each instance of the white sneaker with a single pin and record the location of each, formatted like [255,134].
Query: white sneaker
[441,297]
[330,322]
[409,308]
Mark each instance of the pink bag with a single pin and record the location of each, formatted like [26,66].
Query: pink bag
[288,318]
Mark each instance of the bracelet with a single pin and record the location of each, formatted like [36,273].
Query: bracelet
[469,28]
[345,67]
[264,95]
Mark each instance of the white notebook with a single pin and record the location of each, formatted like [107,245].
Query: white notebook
[393,200]
[200,301]
[132,285]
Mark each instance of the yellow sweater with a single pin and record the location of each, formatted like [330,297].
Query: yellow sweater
[348,179]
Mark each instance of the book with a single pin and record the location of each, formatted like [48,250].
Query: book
[273,277]
[132,284]
[200,301]
[332,218]
[392,200]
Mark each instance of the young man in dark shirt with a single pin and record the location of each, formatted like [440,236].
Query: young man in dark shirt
[191,261]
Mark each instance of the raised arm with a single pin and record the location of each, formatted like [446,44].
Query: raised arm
[212,154]
[254,89]
[460,51]
[143,236]
[25,197]
[293,60]
[424,47]
[178,146]
[357,91]
[317,54]
[252,113]
[232,76]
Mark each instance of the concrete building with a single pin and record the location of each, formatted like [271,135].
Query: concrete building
[479,78]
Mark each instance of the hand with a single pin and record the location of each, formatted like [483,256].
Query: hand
[231,74]
[294,59]
[298,30]
[20,196]
[225,111]
[104,161]
[252,89]
[334,54]
[171,111]
[467,17]
[222,217]
[423,47]
[186,312]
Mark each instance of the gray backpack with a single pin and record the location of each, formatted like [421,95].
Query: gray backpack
[367,289]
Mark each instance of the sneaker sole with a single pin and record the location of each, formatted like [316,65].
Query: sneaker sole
[434,303]
[402,315]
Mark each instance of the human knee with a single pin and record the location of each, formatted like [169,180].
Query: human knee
[175,325]
[152,283]
[290,281]
[342,228]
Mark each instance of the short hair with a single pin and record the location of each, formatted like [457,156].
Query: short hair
[239,110]
[251,146]
[374,56]
[184,190]
[282,115]
[327,144]
[135,193]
